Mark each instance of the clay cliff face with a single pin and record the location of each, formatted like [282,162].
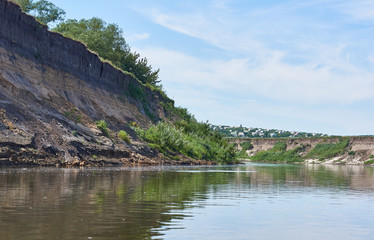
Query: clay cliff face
[52,90]
[359,149]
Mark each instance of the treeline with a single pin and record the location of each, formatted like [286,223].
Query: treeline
[182,134]
[245,132]
[105,39]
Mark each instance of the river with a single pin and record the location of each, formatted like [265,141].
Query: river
[251,201]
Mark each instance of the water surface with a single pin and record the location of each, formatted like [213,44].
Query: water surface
[252,201]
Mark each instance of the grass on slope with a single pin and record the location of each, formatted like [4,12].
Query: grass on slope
[321,151]
[324,151]
[192,139]
[279,154]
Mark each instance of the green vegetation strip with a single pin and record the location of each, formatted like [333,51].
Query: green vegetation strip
[321,151]
[279,154]
[122,134]
[190,138]
[369,162]
[247,145]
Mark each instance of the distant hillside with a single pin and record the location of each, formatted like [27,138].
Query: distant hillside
[246,132]
[332,150]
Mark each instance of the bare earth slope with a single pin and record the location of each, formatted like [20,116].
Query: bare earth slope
[52,90]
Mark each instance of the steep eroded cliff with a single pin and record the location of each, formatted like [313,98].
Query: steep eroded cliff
[52,90]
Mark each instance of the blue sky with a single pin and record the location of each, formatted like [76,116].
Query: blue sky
[292,65]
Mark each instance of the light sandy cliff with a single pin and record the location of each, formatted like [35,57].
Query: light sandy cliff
[358,151]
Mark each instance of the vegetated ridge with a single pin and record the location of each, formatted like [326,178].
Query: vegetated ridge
[253,132]
[60,104]
[333,150]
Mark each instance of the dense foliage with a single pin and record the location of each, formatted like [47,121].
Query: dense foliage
[279,154]
[108,42]
[44,11]
[247,145]
[246,132]
[192,139]
[327,150]
[104,39]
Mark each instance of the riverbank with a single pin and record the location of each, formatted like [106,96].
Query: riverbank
[328,150]
[62,104]
[21,149]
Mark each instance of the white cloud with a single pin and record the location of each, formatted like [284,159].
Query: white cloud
[138,37]
[213,28]
[359,9]
[288,54]
[326,72]
[269,77]
[205,104]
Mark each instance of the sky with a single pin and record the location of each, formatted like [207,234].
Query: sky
[279,64]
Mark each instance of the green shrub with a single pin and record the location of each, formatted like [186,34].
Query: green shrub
[191,139]
[108,42]
[103,126]
[181,113]
[369,161]
[279,146]
[247,145]
[124,136]
[242,154]
[136,91]
[279,154]
[73,115]
[351,153]
[165,136]
[328,150]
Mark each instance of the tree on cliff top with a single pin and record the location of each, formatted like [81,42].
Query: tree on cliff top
[105,39]
[45,12]
[108,42]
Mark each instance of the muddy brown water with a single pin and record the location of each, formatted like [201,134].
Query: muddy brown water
[252,201]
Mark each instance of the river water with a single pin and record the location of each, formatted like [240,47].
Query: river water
[252,201]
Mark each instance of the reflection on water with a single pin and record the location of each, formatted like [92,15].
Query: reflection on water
[253,201]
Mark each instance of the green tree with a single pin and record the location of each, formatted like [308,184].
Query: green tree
[26,5]
[104,39]
[108,42]
[140,68]
[44,11]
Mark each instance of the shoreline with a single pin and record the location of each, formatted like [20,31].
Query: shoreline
[332,161]
[134,160]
